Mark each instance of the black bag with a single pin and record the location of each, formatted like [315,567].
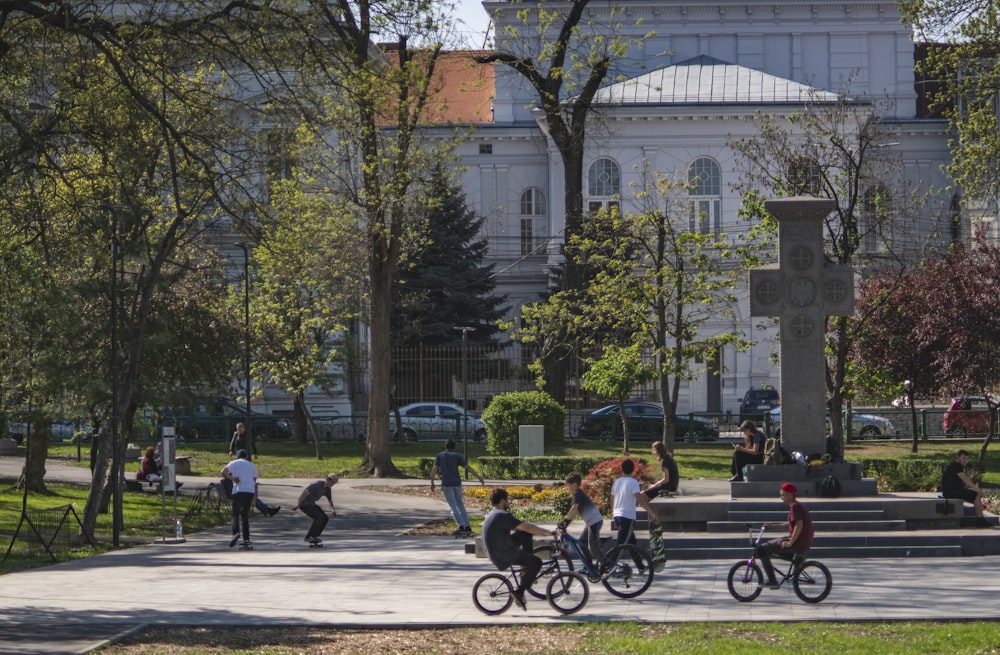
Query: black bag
[829,487]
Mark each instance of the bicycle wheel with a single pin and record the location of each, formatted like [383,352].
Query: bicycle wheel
[745,581]
[567,592]
[812,582]
[551,565]
[630,571]
[492,594]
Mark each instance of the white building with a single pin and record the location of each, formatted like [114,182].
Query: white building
[676,103]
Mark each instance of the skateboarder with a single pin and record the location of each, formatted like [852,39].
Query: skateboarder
[307,503]
[243,474]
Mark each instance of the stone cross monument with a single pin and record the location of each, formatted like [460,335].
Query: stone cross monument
[802,290]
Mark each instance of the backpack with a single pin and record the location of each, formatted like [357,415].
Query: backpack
[774,453]
[829,487]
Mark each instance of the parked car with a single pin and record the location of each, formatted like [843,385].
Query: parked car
[758,402]
[436,420]
[645,420]
[867,426]
[968,415]
[63,430]
[215,420]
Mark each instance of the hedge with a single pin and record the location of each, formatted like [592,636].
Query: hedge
[904,475]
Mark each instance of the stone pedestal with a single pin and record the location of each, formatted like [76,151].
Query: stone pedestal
[765,481]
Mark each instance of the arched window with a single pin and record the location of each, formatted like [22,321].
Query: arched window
[534,222]
[604,184]
[705,196]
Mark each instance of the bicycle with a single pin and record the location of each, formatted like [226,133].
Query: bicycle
[810,579]
[619,576]
[566,591]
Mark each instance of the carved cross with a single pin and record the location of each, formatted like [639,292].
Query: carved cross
[802,290]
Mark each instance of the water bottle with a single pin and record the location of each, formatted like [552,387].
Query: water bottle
[179,529]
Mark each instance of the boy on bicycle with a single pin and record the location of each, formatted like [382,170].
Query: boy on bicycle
[800,534]
[507,541]
[590,538]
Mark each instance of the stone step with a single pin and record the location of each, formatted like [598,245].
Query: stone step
[839,525]
[821,554]
[832,545]
[773,515]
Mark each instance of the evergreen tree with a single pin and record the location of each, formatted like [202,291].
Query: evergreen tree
[446,284]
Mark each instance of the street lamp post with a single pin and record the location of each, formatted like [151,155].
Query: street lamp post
[246,342]
[465,390]
[908,388]
[116,459]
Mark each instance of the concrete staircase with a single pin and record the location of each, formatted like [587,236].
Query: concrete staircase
[887,526]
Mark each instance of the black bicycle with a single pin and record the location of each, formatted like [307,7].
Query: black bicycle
[627,571]
[566,591]
[810,579]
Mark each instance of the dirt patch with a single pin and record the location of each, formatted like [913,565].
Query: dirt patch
[512,640]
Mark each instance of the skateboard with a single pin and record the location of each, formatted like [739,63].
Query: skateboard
[658,553]
[463,534]
[246,547]
[316,544]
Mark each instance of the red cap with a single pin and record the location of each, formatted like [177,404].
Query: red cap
[789,488]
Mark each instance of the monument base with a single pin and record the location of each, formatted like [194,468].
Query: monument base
[764,481]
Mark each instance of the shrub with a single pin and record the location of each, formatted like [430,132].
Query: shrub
[903,475]
[507,411]
[532,468]
[600,479]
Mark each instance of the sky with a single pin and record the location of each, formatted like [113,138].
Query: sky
[474,19]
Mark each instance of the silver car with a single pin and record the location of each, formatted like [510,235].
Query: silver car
[867,426]
[435,421]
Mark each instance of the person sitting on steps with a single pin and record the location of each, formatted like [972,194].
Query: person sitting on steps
[956,483]
[751,452]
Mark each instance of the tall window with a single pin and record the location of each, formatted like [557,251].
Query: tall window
[876,211]
[705,196]
[534,221]
[804,177]
[604,184]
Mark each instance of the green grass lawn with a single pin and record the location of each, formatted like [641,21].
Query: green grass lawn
[286,460]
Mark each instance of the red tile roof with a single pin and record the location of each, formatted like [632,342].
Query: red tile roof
[462,90]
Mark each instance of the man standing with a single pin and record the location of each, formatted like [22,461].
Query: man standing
[448,463]
[240,441]
[507,541]
[626,496]
[956,483]
[800,534]
[243,474]
[307,503]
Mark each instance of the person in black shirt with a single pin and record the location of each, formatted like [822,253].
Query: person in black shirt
[751,452]
[955,483]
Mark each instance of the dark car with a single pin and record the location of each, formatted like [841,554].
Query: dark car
[757,403]
[645,420]
[968,415]
[216,419]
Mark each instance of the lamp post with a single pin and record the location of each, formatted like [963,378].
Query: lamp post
[246,342]
[465,391]
[908,388]
[116,458]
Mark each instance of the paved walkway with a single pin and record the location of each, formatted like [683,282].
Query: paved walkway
[368,575]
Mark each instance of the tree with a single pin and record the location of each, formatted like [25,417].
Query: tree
[936,325]
[962,74]
[839,149]
[615,375]
[444,283]
[127,145]
[309,270]
[566,65]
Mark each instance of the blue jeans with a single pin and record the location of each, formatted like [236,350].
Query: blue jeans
[454,497]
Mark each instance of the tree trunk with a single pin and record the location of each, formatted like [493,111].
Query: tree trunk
[34,460]
[299,403]
[378,459]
